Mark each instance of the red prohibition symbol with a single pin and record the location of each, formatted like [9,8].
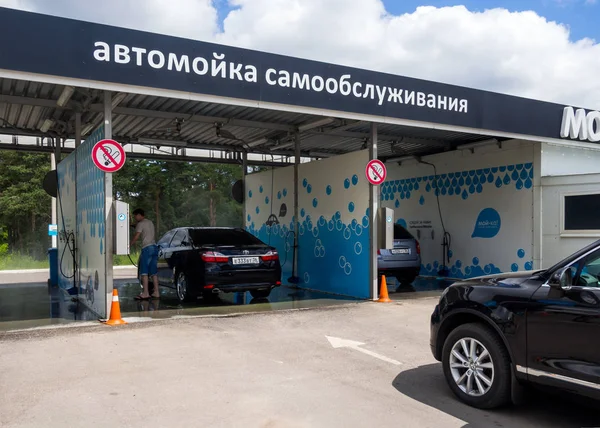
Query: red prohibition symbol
[108,155]
[376,172]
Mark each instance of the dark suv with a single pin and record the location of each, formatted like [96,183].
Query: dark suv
[496,333]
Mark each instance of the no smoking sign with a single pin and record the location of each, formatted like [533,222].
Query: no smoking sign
[108,155]
[375,172]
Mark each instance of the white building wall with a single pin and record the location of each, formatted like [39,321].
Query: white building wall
[565,170]
[487,201]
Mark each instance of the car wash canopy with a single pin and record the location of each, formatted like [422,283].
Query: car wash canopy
[67,48]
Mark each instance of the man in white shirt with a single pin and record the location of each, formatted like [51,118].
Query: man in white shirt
[144,230]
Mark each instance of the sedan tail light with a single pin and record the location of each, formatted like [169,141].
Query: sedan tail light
[271,256]
[418,247]
[214,257]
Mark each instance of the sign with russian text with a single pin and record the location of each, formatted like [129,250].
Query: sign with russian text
[106,54]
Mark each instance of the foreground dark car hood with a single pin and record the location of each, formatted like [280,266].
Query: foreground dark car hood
[507,279]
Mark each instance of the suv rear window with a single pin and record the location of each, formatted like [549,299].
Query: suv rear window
[401,233]
[225,237]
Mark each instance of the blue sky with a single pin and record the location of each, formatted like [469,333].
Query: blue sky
[581,16]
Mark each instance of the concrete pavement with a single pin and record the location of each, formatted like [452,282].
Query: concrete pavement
[263,370]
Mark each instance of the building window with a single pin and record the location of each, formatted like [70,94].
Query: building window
[582,213]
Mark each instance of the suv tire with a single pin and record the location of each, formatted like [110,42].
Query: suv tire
[486,372]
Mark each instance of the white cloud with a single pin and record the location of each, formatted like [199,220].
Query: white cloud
[519,53]
[196,19]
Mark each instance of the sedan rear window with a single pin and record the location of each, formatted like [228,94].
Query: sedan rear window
[223,237]
[401,233]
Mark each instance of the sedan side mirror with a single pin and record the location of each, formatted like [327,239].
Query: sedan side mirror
[562,279]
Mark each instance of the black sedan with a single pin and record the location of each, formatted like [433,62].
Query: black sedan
[204,261]
[496,333]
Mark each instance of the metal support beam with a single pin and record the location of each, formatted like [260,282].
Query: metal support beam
[381,137]
[196,118]
[296,201]
[77,129]
[108,189]
[53,203]
[244,191]
[57,150]
[373,217]
[150,156]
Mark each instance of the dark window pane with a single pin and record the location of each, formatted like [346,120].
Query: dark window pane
[223,237]
[582,212]
[178,239]
[164,241]
[401,233]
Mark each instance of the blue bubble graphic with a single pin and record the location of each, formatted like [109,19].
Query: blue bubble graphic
[365,221]
[260,189]
[355,179]
[278,195]
[284,192]
[328,190]
[422,200]
[397,203]
[351,207]
[249,217]
[267,200]
[347,183]
[257,210]
[302,212]
[529,266]
[488,224]
[514,267]
[315,202]
[521,253]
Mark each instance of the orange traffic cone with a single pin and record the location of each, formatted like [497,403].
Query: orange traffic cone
[383,295]
[115,310]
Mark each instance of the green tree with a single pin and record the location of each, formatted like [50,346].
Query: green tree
[181,193]
[25,208]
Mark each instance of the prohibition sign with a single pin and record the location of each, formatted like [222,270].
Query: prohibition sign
[108,155]
[375,172]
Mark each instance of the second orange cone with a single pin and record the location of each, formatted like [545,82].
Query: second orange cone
[115,310]
[383,294]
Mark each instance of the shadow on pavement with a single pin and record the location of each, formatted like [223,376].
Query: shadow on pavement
[427,385]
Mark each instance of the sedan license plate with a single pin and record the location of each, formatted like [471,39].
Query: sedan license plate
[244,260]
[401,251]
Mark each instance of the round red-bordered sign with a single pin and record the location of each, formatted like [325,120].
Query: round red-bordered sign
[376,172]
[108,155]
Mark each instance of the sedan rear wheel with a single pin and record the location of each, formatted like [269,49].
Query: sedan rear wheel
[477,366]
[181,286]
